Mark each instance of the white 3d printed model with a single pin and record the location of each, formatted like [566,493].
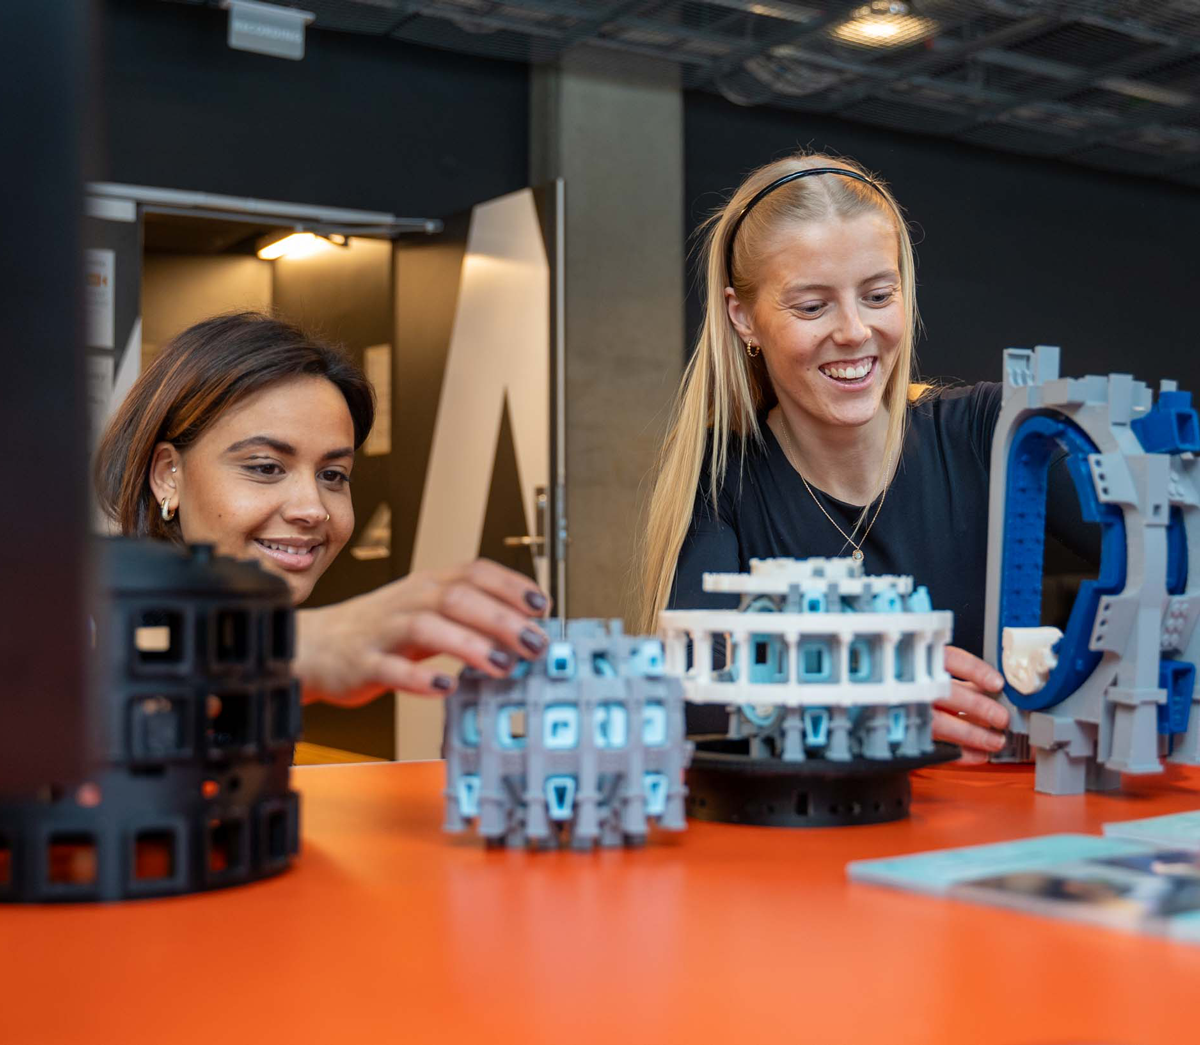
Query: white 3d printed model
[824,661]
[1029,657]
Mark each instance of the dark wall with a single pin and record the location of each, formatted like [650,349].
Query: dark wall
[359,122]
[1015,251]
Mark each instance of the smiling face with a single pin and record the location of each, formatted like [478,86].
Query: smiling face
[269,480]
[829,316]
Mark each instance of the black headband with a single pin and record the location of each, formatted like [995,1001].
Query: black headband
[844,171]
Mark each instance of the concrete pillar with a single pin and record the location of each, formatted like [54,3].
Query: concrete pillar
[611,126]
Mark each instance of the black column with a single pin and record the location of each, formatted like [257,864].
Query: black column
[43,79]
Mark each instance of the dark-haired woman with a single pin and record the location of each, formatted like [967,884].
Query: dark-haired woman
[242,434]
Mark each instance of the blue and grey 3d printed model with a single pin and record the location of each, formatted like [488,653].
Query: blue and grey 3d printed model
[830,675]
[585,746]
[1116,693]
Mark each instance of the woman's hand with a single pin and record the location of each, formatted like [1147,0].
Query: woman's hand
[968,717]
[349,653]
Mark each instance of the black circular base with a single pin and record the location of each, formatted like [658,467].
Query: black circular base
[151,836]
[726,785]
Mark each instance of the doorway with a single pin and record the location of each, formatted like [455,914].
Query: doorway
[458,327]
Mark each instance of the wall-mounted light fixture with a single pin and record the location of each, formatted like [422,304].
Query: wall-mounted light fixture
[883,23]
[298,245]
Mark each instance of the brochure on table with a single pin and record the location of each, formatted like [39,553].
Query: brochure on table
[1141,875]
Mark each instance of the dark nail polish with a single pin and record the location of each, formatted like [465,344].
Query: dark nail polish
[500,659]
[534,641]
[443,682]
[536,600]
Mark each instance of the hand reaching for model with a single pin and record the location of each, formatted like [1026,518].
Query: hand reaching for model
[351,652]
[971,716]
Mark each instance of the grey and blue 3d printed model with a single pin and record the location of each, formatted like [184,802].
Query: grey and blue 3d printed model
[585,746]
[1116,693]
[829,675]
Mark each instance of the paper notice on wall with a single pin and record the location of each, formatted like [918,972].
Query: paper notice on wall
[99,395]
[100,297]
[377,362]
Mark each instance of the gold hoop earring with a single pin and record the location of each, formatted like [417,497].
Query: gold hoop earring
[168,513]
[752,349]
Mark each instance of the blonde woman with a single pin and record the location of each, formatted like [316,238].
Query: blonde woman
[798,431]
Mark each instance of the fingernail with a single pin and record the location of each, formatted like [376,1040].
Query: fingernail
[504,661]
[534,641]
[999,717]
[995,742]
[536,601]
[443,682]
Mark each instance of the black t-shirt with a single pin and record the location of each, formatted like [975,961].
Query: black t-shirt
[932,526]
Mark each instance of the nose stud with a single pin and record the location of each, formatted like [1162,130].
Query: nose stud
[327,517]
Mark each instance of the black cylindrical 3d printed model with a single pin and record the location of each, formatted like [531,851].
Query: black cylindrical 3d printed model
[195,718]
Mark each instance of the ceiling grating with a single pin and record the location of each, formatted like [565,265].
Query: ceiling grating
[1113,84]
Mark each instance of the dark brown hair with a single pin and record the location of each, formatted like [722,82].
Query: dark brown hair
[197,376]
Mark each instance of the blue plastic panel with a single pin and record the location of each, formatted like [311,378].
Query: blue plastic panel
[816,727]
[560,727]
[656,793]
[919,601]
[1177,553]
[560,660]
[468,795]
[905,669]
[886,602]
[1170,426]
[654,724]
[611,726]
[647,660]
[560,796]
[1178,678]
[861,661]
[761,715]
[768,659]
[816,660]
[1033,445]
[470,725]
[602,666]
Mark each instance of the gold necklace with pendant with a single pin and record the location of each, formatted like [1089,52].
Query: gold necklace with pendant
[857,554]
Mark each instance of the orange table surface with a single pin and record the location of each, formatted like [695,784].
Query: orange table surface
[388,931]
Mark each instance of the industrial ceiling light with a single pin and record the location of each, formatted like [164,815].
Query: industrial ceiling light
[267,28]
[883,23]
[297,245]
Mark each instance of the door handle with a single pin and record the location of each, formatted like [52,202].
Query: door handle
[525,541]
[535,541]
